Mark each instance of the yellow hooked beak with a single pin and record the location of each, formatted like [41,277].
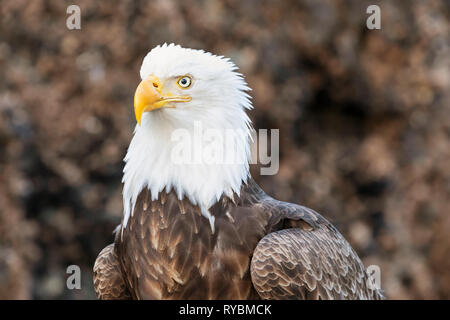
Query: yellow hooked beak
[149,96]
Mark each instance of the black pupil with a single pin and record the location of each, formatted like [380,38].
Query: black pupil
[183,81]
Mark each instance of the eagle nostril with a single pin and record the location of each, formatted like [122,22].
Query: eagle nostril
[155,84]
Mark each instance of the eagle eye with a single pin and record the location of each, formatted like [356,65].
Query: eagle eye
[184,82]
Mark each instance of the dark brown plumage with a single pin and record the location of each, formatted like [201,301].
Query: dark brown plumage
[261,248]
[108,281]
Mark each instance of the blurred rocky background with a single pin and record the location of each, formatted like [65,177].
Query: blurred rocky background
[364,119]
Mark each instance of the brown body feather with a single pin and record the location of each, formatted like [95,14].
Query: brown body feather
[261,248]
[108,281]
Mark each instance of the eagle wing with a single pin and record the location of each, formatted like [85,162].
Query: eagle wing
[108,281]
[307,261]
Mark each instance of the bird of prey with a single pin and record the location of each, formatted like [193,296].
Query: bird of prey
[204,229]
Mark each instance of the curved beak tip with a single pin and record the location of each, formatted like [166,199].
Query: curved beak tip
[144,98]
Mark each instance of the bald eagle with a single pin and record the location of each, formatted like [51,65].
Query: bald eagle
[197,230]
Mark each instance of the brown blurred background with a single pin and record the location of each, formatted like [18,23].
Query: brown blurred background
[364,119]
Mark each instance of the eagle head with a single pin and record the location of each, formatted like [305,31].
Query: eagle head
[185,85]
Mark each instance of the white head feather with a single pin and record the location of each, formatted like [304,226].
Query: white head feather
[218,101]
